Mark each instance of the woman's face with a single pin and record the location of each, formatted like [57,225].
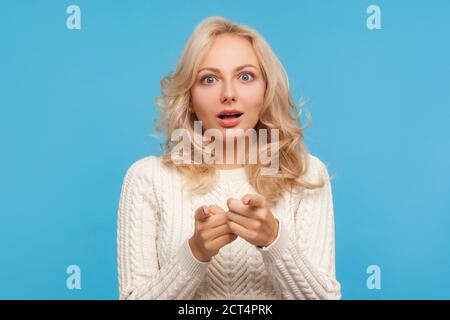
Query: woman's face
[229,80]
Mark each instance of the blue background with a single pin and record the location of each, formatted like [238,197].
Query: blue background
[77,110]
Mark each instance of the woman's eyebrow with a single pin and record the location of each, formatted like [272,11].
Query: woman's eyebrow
[237,69]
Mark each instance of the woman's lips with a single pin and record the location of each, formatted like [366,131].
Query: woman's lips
[228,122]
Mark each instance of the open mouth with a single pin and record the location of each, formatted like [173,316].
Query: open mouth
[230,116]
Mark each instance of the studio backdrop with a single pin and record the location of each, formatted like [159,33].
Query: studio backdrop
[78,80]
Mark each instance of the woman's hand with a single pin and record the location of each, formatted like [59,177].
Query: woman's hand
[251,219]
[212,232]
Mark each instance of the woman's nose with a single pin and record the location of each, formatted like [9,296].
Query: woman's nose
[229,94]
[226,99]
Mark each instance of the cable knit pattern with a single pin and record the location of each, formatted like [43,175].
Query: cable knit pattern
[156,219]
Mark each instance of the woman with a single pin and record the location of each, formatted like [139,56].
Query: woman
[214,230]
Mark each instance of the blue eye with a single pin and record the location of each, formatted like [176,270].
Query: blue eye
[247,74]
[208,78]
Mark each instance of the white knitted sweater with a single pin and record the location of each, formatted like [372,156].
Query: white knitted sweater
[156,219]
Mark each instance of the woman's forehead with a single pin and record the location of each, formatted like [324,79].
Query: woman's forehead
[229,53]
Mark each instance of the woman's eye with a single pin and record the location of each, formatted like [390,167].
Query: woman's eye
[247,76]
[208,79]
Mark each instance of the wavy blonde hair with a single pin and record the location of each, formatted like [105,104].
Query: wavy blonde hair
[278,112]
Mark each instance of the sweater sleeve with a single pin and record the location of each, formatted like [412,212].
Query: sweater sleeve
[139,270]
[302,266]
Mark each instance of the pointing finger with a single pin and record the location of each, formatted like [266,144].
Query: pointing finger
[202,213]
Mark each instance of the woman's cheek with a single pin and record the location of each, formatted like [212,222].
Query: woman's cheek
[253,104]
[202,103]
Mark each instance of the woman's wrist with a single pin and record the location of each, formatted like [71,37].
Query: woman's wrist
[274,234]
[196,252]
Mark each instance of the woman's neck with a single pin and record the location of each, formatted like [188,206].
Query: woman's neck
[228,166]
